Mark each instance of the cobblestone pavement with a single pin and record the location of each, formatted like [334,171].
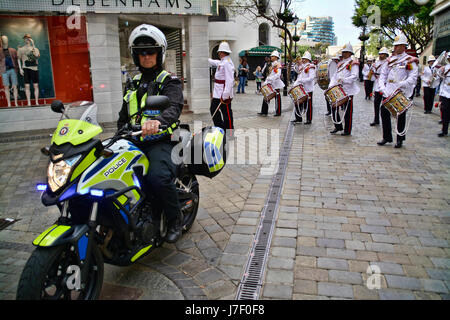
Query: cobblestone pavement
[346,204]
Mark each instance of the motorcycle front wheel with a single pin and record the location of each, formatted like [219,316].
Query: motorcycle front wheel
[50,274]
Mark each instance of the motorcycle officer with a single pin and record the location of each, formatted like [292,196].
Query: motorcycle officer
[148,47]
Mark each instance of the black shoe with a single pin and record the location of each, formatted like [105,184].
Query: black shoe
[308,122]
[374,124]
[335,131]
[277,115]
[383,142]
[174,230]
[328,113]
[345,134]
[262,114]
[296,121]
[440,122]
[442,134]
[398,145]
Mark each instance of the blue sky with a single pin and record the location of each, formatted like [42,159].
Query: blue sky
[340,10]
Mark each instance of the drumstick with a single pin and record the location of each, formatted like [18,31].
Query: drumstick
[217,109]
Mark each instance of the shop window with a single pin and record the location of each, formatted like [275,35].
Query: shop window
[263,34]
[223,16]
[42,60]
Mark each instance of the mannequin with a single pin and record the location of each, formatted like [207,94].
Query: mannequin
[28,65]
[8,69]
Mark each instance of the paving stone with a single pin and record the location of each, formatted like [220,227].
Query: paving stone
[283,252]
[282,232]
[330,263]
[438,274]
[441,262]
[344,277]
[279,276]
[385,238]
[330,243]
[332,234]
[281,263]
[311,251]
[434,285]
[403,282]
[363,293]
[335,290]
[373,229]
[388,267]
[305,286]
[277,291]
[389,294]
[341,253]
[380,247]
[433,242]
[284,242]
[305,273]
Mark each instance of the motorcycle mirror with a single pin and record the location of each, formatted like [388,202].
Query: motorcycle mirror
[57,106]
[157,103]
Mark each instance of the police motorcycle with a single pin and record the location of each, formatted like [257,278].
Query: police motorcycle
[99,188]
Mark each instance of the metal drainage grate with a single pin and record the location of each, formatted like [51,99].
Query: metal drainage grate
[6,222]
[251,282]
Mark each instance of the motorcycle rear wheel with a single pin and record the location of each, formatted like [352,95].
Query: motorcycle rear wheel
[190,181]
[45,275]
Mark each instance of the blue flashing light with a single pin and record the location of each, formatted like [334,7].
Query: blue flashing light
[136,181]
[41,187]
[84,191]
[96,193]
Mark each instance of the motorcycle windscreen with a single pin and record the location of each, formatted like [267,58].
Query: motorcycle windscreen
[207,155]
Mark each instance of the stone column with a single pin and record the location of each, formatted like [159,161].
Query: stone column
[197,54]
[104,51]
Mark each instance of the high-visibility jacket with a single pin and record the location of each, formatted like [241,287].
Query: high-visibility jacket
[135,112]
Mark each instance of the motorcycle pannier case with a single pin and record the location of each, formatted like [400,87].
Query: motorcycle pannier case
[207,152]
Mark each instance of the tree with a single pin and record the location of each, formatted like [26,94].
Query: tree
[256,10]
[399,15]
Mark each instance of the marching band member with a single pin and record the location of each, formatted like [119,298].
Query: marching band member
[368,83]
[346,75]
[376,69]
[223,89]
[400,72]
[274,79]
[444,97]
[306,77]
[332,68]
[429,84]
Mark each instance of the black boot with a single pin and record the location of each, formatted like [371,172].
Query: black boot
[174,229]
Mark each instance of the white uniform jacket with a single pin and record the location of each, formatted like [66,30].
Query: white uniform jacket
[400,72]
[365,72]
[306,77]
[224,78]
[347,74]
[274,78]
[426,76]
[332,68]
[444,73]
[377,66]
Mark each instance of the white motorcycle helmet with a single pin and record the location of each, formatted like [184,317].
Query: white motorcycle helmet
[145,38]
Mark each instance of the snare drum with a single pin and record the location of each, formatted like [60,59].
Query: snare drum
[336,96]
[397,103]
[322,76]
[268,92]
[298,94]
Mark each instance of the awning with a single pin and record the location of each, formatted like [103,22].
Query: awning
[260,51]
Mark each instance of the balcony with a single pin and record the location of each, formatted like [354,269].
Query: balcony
[221,30]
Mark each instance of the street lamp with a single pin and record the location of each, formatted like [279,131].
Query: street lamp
[295,37]
[363,38]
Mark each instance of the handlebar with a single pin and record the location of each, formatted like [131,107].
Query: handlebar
[137,129]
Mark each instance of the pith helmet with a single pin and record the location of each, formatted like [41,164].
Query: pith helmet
[400,39]
[224,47]
[275,53]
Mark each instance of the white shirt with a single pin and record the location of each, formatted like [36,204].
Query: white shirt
[445,84]
[395,75]
[274,78]
[347,77]
[332,68]
[224,72]
[306,77]
[377,67]
[365,72]
[427,74]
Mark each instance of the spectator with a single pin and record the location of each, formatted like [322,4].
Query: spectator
[258,77]
[243,70]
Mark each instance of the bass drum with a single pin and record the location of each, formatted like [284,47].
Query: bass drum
[322,76]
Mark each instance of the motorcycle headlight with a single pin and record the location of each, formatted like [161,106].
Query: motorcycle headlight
[58,173]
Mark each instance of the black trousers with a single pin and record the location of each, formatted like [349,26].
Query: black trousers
[386,124]
[328,105]
[161,176]
[428,98]
[223,118]
[445,109]
[368,86]
[265,105]
[348,119]
[301,107]
[376,107]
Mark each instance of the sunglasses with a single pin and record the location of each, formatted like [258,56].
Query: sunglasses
[146,51]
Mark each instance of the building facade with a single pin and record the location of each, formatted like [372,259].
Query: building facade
[84,54]
[315,29]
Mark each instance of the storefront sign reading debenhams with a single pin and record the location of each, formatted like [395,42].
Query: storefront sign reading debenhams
[202,7]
